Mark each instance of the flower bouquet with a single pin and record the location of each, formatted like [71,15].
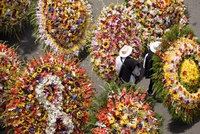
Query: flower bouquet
[157,16]
[52,95]
[62,25]
[9,70]
[13,15]
[114,28]
[126,110]
[177,74]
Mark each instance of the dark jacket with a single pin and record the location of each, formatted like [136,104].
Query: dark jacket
[148,65]
[125,72]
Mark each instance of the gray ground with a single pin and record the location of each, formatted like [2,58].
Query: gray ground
[27,49]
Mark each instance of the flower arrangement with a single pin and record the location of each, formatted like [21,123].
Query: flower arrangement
[9,70]
[157,16]
[13,14]
[114,28]
[177,79]
[62,25]
[52,95]
[126,110]
[181,96]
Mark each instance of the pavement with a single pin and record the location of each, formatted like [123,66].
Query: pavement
[28,49]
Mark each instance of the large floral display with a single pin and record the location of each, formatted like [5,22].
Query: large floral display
[115,27]
[9,70]
[51,96]
[178,77]
[127,110]
[62,24]
[13,14]
[155,16]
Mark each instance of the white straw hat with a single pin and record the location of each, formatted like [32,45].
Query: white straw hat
[154,46]
[125,51]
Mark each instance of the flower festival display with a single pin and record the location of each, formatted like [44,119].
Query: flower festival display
[51,96]
[9,70]
[157,16]
[177,80]
[114,28]
[127,110]
[62,25]
[13,14]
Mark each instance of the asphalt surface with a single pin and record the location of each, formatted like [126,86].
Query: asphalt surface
[28,49]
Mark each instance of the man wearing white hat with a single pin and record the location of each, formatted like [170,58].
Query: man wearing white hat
[148,63]
[126,67]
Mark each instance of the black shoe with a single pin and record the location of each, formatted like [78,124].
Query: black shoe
[149,92]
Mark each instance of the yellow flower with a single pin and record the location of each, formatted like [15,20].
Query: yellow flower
[189,72]
[112,120]
[106,43]
[124,120]
[39,69]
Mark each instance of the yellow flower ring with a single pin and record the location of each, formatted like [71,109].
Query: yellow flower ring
[155,16]
[180,73]
[9,70]
[12,13]
[126,112]
[51,96]
[63,24]
[113,29]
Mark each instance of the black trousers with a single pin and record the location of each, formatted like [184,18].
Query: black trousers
[150,90]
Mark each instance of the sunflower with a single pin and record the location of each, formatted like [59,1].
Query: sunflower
[108,38]
[36,99]
[106,44]
[66,25]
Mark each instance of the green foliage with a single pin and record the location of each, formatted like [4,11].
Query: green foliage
[177,31]
[183,115]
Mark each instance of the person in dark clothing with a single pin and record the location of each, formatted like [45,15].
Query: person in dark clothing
[148,63]
[127,68]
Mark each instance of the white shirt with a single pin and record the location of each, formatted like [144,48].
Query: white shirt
[118,65]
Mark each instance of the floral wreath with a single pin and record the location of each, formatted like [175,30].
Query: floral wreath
[12,14]
[52,95]
[178,77]
[126,111]
[113,29]
[63,25]
[157,16]
[9,70]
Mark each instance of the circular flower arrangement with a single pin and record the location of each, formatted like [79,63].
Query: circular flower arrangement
[156,16]
[12,14]
[114,28]
[9,70]
[51,96]
[127,112]
[181,76]
[62,25]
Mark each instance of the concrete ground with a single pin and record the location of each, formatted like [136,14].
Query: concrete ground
[28,48]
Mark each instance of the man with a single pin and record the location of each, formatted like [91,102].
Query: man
[127,68]
[148,63]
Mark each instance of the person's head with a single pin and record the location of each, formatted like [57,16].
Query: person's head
[154,46]
[125,51]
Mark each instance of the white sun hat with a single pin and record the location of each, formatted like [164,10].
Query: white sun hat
[154,46]
[125,51]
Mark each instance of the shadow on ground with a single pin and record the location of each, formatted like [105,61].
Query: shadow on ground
[24,42]
[177,127]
